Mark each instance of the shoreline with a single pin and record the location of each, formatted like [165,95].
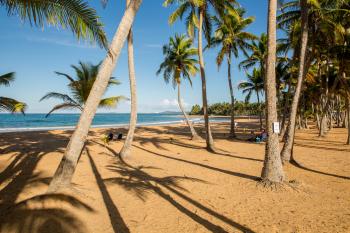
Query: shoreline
[72,127]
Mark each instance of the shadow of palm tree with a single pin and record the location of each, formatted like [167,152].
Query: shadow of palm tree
[140,183]
[250,177]
[117,222]
[298,165]
[36,215]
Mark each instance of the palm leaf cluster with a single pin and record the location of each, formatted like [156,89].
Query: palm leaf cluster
[9,104]
[80,88]
[179,62]
[73,14]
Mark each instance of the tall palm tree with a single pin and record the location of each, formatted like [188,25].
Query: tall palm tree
[125,151]
[8,104]
[64,173]
[198,18]
[272,171]
[255,83]
[177,65]
[74,14]
[80,88]
[289,139]
[231,36]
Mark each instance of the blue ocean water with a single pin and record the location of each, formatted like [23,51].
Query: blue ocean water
[37,121]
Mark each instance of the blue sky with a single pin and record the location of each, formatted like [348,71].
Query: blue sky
[35,53]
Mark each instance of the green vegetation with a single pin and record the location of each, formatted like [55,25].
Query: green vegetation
[224,109]
[8,104]
[80,89]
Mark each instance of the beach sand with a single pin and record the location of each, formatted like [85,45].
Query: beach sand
[172,184]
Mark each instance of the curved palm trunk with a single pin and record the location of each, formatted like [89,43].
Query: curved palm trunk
[287,148]
[232,130]
[125,151]
[260,112]
[272,171]
[66,168]
[193,131]
[209,138]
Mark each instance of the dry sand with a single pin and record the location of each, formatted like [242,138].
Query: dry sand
[172,184]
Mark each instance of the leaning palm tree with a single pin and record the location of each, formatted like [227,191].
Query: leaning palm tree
[179,64]
[74,14]
[64,173]
[80,88]
[255,83]
[231,36]
[272,171]
[8,104]
[198,18]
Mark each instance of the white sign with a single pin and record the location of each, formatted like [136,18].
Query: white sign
[276,127]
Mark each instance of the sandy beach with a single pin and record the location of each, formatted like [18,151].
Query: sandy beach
[173,184]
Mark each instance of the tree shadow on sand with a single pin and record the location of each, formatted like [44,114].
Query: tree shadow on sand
[41,213]
[137,181]
[117,222]
[37,215]
[298,165]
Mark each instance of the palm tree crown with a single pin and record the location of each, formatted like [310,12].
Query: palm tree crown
[230,34]
[80,88]
[8,104]
[179,61]
[255,83]
[73,14]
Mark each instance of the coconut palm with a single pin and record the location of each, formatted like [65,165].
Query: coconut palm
[74,14]
[64,173]
[231,36]
[125,151]
[255,83]
[179,64]
[80,88]
[198,18]
[8,104]
[272,171]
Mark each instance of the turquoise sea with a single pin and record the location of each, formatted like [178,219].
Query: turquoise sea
[37,121]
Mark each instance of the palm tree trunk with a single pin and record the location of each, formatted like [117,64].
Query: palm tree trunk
[287,147]
[272,171]
[209,138]
[260,112]
[125,151]
[193,131]
[347,99]
[66,168]
[232,130]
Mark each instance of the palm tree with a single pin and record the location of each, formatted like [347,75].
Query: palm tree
[179,64]
[64,173]
[272,171]
[289,139]
[75,14]
[232,38]
[80,89]
[125,151]
[255,83]
[198,18]
[8,104]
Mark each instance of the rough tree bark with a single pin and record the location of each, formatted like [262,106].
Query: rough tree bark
[232,129]
[209,137]
[272,171]
[288,144]
[125,151]
[66,168]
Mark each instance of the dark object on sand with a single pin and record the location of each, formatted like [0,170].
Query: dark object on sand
[120,136]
